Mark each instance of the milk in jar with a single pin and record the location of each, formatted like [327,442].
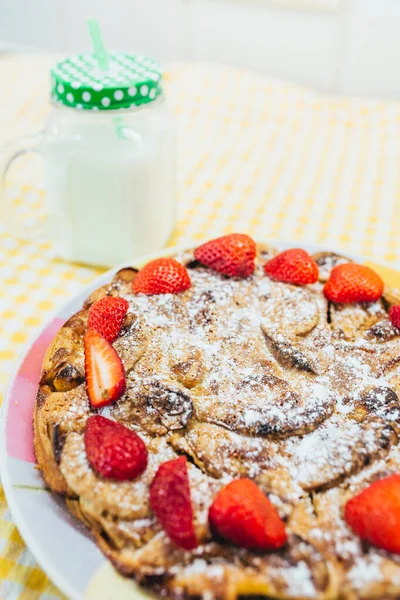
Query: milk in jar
[109,156]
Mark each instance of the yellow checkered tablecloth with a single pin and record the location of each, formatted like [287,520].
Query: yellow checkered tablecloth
[255,155]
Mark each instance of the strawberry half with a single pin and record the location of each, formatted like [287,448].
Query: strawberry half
[162,276]
[243,515]
[374,514]
[351,282]
[292,266]
[232,255]
[113,450]
[107,316]
[105,375]
[394,315]
[171,503]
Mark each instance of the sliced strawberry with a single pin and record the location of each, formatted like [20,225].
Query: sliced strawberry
[162,276]
[232,255]
[171,503]
[243,515]
[374,514]
[351,282]
[292,266]
[113,450]
[105,375]
[107,316]
[394,315]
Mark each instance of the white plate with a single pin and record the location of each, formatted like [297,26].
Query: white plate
[61,545]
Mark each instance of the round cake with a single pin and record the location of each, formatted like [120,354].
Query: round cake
[226,424]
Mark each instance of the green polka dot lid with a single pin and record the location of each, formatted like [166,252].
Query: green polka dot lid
[130,80]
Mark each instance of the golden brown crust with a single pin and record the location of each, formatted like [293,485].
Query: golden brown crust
[62,371]
[335,432]
[45,458]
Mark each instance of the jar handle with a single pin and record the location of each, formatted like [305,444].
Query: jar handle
[8,154]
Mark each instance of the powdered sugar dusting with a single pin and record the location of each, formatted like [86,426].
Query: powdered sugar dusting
[366,570]
[300,581]
[260,379]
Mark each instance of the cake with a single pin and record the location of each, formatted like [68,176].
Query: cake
[245,372]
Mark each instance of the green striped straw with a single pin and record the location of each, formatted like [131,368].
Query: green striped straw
[98,44]
[102,58]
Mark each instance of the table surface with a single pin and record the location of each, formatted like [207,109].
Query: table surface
[255,155]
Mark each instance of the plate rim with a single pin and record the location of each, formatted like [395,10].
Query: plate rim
[44,561]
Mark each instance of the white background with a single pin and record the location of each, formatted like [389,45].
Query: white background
[344,46]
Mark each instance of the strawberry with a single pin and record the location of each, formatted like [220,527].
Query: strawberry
[171,503]
[394,315]
[374,514]
[113,450]
[105,375]
[243,515]
[351,282]
[161,276]
[231,255]
[292,266]
[107,315]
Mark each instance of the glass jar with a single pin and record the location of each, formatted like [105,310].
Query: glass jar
[110,169]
